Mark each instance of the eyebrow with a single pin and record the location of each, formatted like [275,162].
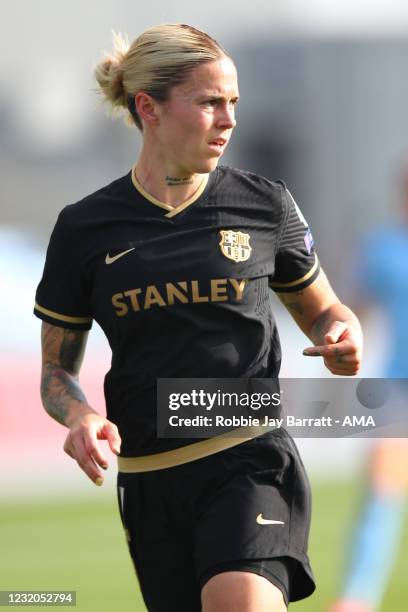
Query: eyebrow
[217,97]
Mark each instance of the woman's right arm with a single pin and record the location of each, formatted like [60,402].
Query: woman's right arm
[63,399]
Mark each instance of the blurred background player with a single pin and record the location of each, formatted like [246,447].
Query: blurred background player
[374,541]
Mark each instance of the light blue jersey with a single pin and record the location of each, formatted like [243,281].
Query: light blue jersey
[384,278]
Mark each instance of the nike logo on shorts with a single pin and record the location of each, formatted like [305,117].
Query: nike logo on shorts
[261,521]
[109,260]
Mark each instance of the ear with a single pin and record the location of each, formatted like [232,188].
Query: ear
[147,108]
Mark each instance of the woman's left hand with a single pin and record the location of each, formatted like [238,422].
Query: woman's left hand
[342,349]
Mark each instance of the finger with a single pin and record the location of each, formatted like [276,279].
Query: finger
[85,460]
[345,360]
[342,372]
[67,449]
[339,348]
[343,369]
[312,351]
[89,466]
[349,371]
[335,331]
[93,450]
[111,434]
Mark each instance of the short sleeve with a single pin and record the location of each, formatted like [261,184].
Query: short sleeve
[296,262]
[61,298]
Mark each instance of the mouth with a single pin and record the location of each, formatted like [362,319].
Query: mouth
[218,145]
[219,142]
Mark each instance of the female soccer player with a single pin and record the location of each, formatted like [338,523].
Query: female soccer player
[176,261]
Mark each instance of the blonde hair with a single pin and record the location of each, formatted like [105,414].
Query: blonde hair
[160,58]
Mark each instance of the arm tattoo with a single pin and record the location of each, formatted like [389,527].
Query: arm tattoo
[72,350]
[63,351]
[58,391]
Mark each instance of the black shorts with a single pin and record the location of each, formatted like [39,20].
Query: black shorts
[246,508]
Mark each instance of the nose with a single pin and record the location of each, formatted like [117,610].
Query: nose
[226,118]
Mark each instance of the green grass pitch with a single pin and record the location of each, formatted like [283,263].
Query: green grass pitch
[79,545]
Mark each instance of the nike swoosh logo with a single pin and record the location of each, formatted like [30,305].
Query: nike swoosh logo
[261,521]
[109,260]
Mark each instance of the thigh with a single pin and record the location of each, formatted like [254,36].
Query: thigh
[278,571]
[161,554]
[241,592]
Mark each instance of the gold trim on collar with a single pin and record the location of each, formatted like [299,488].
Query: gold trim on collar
[60,317]
[299,280]
[191,452]
[172,210]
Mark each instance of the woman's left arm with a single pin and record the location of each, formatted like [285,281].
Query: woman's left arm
[332,327]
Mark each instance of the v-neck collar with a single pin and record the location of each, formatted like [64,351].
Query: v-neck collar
[172,210]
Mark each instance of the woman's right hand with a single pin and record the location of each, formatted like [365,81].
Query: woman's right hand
[82,443]
[64,400]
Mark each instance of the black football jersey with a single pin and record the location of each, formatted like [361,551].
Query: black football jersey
[179,292]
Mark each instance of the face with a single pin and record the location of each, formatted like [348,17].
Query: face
[196,123]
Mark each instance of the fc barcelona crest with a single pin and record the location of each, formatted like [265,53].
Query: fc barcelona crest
[235,245]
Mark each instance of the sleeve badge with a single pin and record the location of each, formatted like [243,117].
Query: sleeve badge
[308,240]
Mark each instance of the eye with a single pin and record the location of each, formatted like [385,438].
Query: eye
[211,102]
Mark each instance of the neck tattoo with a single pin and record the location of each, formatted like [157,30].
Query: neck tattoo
[174,181]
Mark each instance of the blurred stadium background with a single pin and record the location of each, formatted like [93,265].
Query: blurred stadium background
[324,93]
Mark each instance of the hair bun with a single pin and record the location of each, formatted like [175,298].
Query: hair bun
[109,73]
